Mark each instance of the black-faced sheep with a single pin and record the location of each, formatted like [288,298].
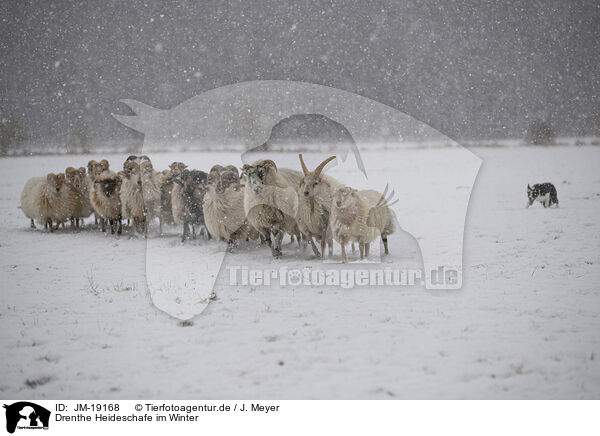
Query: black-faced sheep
[107,202]
[189,201]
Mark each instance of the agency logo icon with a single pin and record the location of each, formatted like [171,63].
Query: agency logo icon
[26,415]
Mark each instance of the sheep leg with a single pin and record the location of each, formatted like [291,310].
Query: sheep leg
[103,224]
[313,246]
[367,248]
[385,244]
[208,235]
[343,244]
[160,226]
[32,225]
[265,237]
[186,231]
[276,245]
[353,249]
[146,224]
[330,243]
[49,224]
[72,221]
[361,248]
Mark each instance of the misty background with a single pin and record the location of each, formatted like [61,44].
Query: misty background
[470,69]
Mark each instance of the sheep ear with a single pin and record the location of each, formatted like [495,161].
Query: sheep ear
[528,187]
[303,165]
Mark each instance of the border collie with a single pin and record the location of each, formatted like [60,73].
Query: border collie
[545,193]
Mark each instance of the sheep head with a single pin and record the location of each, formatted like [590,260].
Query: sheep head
[129,167]
[91,166]
[260,173]
[110,185]
[346,198]
[74,177]
[56,182]
[193,182]
[312,180]
[221,178]
[176,168]
[97,168]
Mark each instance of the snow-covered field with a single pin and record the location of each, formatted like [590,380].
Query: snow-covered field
[77,320]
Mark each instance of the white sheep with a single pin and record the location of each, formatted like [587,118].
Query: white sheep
[223,206]
[79,197]
[360,216]
[314,205]
[271,202]
[94,170]
[140,193]
[46,200]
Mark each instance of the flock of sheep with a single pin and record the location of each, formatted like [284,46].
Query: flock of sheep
[263,202]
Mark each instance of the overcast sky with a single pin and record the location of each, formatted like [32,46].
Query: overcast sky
[471,69]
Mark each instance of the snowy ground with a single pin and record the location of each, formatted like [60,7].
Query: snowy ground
[77,320]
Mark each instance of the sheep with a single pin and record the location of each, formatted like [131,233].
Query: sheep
[94,170]
[140,193]
[314,205]
[79,198]
[166,189]
[107,202]
[223,206]
[271,202]
[46,200]
[360,216]
[189,199]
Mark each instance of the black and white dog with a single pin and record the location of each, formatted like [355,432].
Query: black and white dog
[545,193]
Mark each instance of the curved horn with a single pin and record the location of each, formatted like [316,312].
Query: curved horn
[304,169]
[317,171]
[270,162]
